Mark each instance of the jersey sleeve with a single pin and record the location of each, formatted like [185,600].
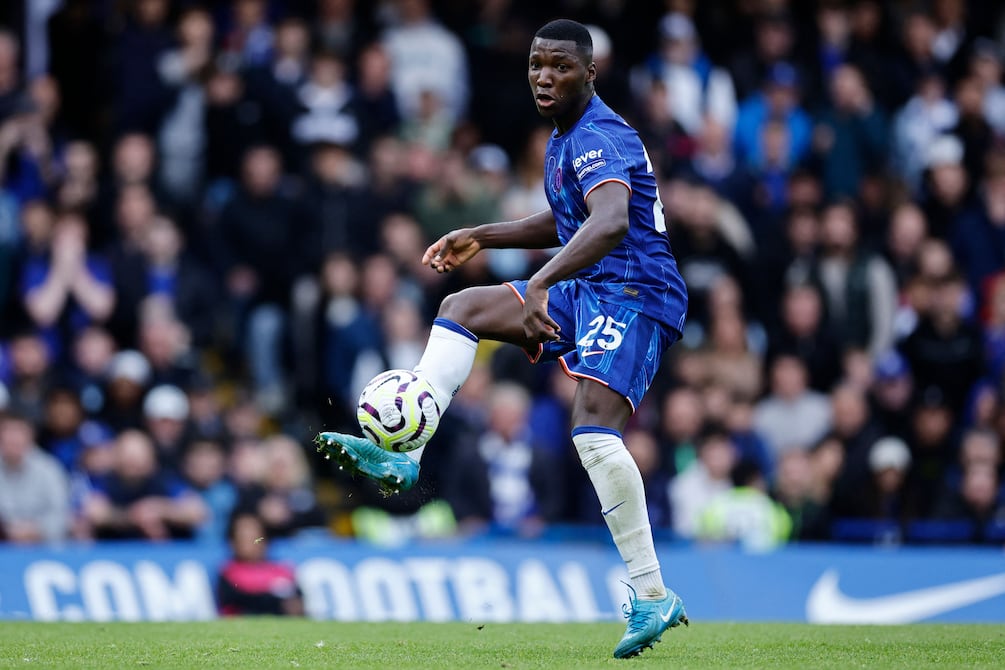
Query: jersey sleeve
[601,154]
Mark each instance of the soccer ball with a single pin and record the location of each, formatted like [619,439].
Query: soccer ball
[397,410]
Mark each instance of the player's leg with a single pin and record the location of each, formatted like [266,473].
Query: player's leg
[599,415]
[486,311]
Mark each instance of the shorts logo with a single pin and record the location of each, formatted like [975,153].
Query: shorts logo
[554,174]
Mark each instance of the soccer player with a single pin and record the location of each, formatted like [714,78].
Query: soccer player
[606,306]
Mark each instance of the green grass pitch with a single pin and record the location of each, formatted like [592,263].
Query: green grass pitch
[285,643]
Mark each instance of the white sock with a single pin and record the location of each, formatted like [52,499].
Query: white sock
[446,363]
[618,483]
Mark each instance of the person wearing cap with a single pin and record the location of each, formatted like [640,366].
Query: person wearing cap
[126,381]
[777,100]
[885,496]
[165,413]
[695,88]
[891,392]
[946,186]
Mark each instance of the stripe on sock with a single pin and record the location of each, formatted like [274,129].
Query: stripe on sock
[455,327]
[604,430]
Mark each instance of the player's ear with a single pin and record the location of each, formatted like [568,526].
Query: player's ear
[591,72]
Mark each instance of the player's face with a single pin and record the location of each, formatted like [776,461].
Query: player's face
[558,77]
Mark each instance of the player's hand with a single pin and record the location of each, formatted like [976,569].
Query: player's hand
[452,250]
[538,326]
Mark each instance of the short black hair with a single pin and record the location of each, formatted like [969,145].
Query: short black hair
[566,30]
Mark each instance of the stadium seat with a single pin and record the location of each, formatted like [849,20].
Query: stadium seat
[873,531]
[950,531]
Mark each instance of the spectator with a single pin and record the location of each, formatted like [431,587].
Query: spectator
[978,499]
[885,495]
[234,121]
[29,375]
[793,488]
[729,360]
[34,491]
[945,351]
[745,514]
[976,234]
[286,502]
[204,469]
[946,186]
[694,87]
[926,116]
[250,39]
[60,431]
[274,85]
[503,479]
[682,420]
[328,110]
[986,63]
[378,105]
[972,128]
[858,287]
[126,381]
[92,353]
[137,500]
[774,40]
[917,56]
[778,100]
[805,334]
[791,416]
[692,491]
[348,353]
[181,135]
[139,96]
[70,289]
[258,228]
[933,446]
[425,56]
[891,394]
[907,232]
[850,135]
[165,414]
[250,583]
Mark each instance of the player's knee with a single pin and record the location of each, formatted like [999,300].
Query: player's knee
[457,308]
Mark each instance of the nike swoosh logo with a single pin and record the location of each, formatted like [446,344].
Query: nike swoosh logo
[666,617]
[593,353]
[826,603]
[606,512]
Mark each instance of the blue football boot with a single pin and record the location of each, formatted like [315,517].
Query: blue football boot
[647,621]
[395,472]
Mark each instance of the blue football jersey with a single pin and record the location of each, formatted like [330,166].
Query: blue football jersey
[641,272]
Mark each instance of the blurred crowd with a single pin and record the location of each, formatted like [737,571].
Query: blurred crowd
[212,216]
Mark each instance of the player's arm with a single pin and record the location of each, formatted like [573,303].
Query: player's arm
[536,231]
[602,231]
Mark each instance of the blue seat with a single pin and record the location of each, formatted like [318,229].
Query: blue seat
[872,531]
[948,531]
[994,531]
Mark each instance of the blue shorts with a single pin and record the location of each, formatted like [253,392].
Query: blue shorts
[602,341]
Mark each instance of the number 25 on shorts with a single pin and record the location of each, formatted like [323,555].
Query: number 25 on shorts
[610,332]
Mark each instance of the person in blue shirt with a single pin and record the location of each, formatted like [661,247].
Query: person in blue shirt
[606,307]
